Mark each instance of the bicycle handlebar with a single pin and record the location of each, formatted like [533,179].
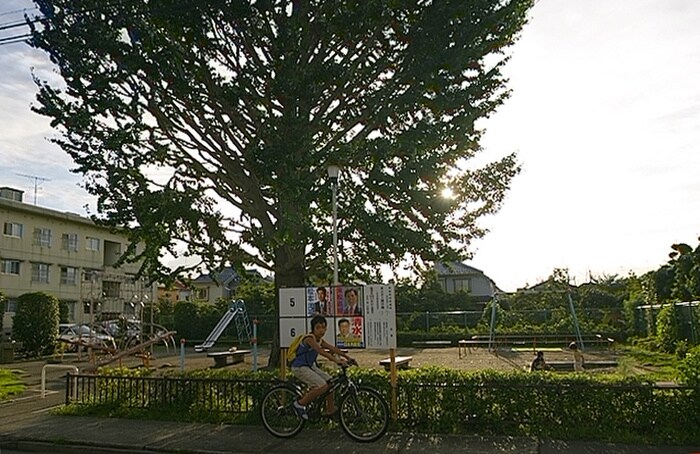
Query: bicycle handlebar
[349,362]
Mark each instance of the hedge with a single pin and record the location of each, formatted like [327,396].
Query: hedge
[448,401]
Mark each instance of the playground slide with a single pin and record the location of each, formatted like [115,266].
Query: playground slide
[218,330]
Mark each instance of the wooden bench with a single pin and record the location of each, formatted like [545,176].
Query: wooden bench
[464,346]
[569,365]
[432,343]
[221,359]
[401,362]
[146,358]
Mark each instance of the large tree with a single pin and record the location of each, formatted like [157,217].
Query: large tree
[211,123]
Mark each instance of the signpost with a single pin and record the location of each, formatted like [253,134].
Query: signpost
[358,317]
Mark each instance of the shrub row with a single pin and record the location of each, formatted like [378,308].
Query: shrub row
[433,400]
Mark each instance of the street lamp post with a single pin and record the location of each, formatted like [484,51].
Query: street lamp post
[333,172]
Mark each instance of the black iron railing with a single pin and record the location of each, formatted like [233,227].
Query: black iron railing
[190,394]
[558,410]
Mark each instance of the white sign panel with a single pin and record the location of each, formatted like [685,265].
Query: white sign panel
[356,316]
[291,328]
[292,302]
[380,316]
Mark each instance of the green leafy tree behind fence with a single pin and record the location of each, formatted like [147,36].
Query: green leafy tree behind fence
[35,323]
[244,105]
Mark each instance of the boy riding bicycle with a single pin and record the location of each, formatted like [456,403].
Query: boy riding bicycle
[305,369]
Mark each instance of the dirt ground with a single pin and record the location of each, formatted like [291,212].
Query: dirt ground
[476,359]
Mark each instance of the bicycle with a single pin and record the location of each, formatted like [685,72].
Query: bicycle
[362,412]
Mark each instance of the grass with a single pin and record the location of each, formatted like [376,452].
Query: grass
[657,366]
[10,385]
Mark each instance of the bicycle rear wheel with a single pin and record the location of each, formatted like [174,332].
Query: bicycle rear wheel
[364,415]
[277,412]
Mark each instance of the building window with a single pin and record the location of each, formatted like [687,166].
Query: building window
[10,306]
[40,272]
[69,275]
[92,244]
[201,294]
[463,285]
[71,305]
[11,194]
[42,237]
[13,229]
[110,289]
[9,267]
[89,274]
[69,242]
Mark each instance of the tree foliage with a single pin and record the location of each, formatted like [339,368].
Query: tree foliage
[35,323]
[210,124]
[667,332]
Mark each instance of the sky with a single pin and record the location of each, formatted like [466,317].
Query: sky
[604,117]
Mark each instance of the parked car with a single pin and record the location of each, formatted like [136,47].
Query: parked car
[127,332]
[75,335]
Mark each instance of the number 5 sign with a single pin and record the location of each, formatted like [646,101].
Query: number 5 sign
[292,302]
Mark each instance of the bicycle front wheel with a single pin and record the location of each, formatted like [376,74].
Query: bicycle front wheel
[277,412]
[364,415]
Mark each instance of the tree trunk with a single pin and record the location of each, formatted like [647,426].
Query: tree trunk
[290,271]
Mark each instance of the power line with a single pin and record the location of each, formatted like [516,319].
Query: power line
[24,23]
[15,39]
[17,11]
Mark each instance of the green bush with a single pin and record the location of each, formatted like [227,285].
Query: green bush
[546,405]
[667,330]
[440,400]
[35,323]
[689,368]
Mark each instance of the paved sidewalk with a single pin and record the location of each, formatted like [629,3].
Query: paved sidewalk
[27,425]
[50,433]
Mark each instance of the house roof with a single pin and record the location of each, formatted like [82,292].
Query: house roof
[224,277]
[455,269]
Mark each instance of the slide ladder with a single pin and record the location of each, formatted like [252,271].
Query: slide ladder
[237,311]
[243,328]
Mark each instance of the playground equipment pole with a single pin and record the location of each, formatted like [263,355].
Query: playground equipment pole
[254,341]
[333,172]
[182,354]
[579,339]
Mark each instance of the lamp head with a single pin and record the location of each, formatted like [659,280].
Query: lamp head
[333,172]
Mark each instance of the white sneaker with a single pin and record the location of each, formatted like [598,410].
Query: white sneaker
[300,411]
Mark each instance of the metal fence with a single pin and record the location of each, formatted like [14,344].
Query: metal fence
[208,395]
[437,407]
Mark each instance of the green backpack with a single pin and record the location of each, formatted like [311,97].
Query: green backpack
[294,346]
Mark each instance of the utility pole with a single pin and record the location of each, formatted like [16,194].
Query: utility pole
[36,182]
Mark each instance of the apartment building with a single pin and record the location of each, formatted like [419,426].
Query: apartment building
[68,256]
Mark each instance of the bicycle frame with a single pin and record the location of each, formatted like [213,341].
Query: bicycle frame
[340,384]
[363,413]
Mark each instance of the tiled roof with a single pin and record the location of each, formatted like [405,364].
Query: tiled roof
[455,269]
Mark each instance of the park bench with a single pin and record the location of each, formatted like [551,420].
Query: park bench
[544,340]
[221,359]
[432,343]
[401,362]
[146,358]
[464,345]
[569,365]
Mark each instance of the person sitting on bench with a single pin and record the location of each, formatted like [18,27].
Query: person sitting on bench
[539,363]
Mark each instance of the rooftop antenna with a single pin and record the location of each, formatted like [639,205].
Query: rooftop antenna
[36,182]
